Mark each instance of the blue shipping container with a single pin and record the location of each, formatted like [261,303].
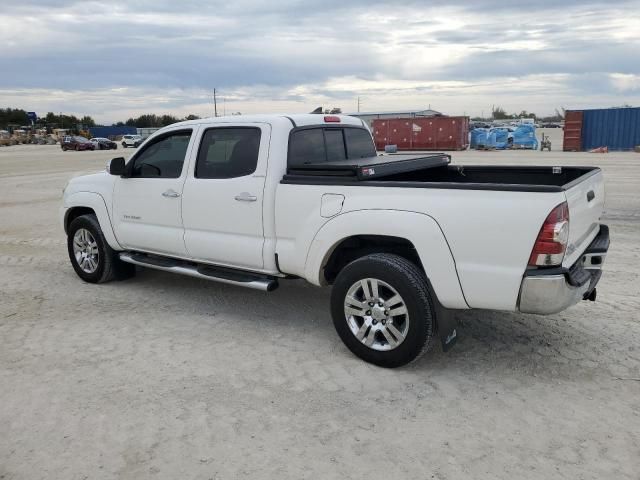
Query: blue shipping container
[615,128]
[111,132]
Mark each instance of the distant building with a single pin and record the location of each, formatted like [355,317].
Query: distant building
[369,117]
[147,131]
[112,132]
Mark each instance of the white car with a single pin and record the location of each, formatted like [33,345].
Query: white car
[404,239]
[131,141]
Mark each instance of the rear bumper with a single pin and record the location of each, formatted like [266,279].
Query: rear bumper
[547,291]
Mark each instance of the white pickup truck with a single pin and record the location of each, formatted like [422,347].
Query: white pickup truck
[403,239]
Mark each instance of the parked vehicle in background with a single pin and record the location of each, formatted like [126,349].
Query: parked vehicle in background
[76,142]
[403,239]
[131,141]
[551,125]
[104,143]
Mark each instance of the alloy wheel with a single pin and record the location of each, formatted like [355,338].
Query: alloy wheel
[376,314]
[85,250]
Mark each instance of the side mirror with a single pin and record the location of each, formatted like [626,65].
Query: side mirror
[117,167]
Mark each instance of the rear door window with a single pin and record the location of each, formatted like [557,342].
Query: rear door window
[228,152]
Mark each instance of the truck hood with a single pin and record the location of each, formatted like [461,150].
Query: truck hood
[100,182]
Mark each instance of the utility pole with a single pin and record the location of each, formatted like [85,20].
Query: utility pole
[215,104]
[358,104]
[224,106]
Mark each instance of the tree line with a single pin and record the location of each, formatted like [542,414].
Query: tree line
[499,113]
[17,117]
[152,120]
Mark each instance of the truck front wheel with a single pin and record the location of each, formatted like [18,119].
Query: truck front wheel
[382,309]
[91,256]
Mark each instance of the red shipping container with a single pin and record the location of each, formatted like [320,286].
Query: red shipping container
[422,133]
[425,133]
[572,132]
[392,131]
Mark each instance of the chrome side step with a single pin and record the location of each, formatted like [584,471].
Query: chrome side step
[206,272]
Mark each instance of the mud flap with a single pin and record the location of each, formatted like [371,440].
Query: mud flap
[447,328]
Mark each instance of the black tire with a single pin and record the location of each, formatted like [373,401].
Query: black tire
[109,267]
[124,145]
[410,282]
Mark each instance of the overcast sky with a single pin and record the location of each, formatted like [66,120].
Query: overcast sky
[113,60]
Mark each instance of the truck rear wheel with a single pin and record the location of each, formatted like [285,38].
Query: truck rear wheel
[91,256]
[382,309]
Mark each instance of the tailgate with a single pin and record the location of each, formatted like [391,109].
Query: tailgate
[585,197]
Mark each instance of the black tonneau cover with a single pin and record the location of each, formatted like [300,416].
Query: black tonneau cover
[372,167]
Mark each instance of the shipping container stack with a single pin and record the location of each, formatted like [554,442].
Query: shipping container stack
[617,129]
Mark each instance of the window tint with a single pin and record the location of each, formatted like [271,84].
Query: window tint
[228,152]
[335,145]
[317,145]
[307,146]
[163,158]
[359,143]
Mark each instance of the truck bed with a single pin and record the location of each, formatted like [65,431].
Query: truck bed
[434,171]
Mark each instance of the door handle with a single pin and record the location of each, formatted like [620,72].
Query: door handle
[246,197]
[170,194]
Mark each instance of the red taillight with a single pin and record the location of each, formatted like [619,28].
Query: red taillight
[553,238]
[332,119]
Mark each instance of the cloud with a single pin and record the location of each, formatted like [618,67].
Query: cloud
[624,82]
[111,58]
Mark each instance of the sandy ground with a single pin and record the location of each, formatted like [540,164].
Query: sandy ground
[171,377]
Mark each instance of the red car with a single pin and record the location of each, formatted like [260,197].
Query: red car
[76,143]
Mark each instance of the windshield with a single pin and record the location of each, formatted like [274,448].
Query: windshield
[80,139]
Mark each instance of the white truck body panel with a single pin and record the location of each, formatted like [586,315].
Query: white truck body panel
[486,254]
[218,227]
[474,244]
[144,217]
[584,215]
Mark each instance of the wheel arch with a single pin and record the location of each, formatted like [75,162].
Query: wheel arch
[413,235]
[356,246]
[83,203]
[74,212]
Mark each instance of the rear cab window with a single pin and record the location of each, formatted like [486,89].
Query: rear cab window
[329,144]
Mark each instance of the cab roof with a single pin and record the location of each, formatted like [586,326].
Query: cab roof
[295,120]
